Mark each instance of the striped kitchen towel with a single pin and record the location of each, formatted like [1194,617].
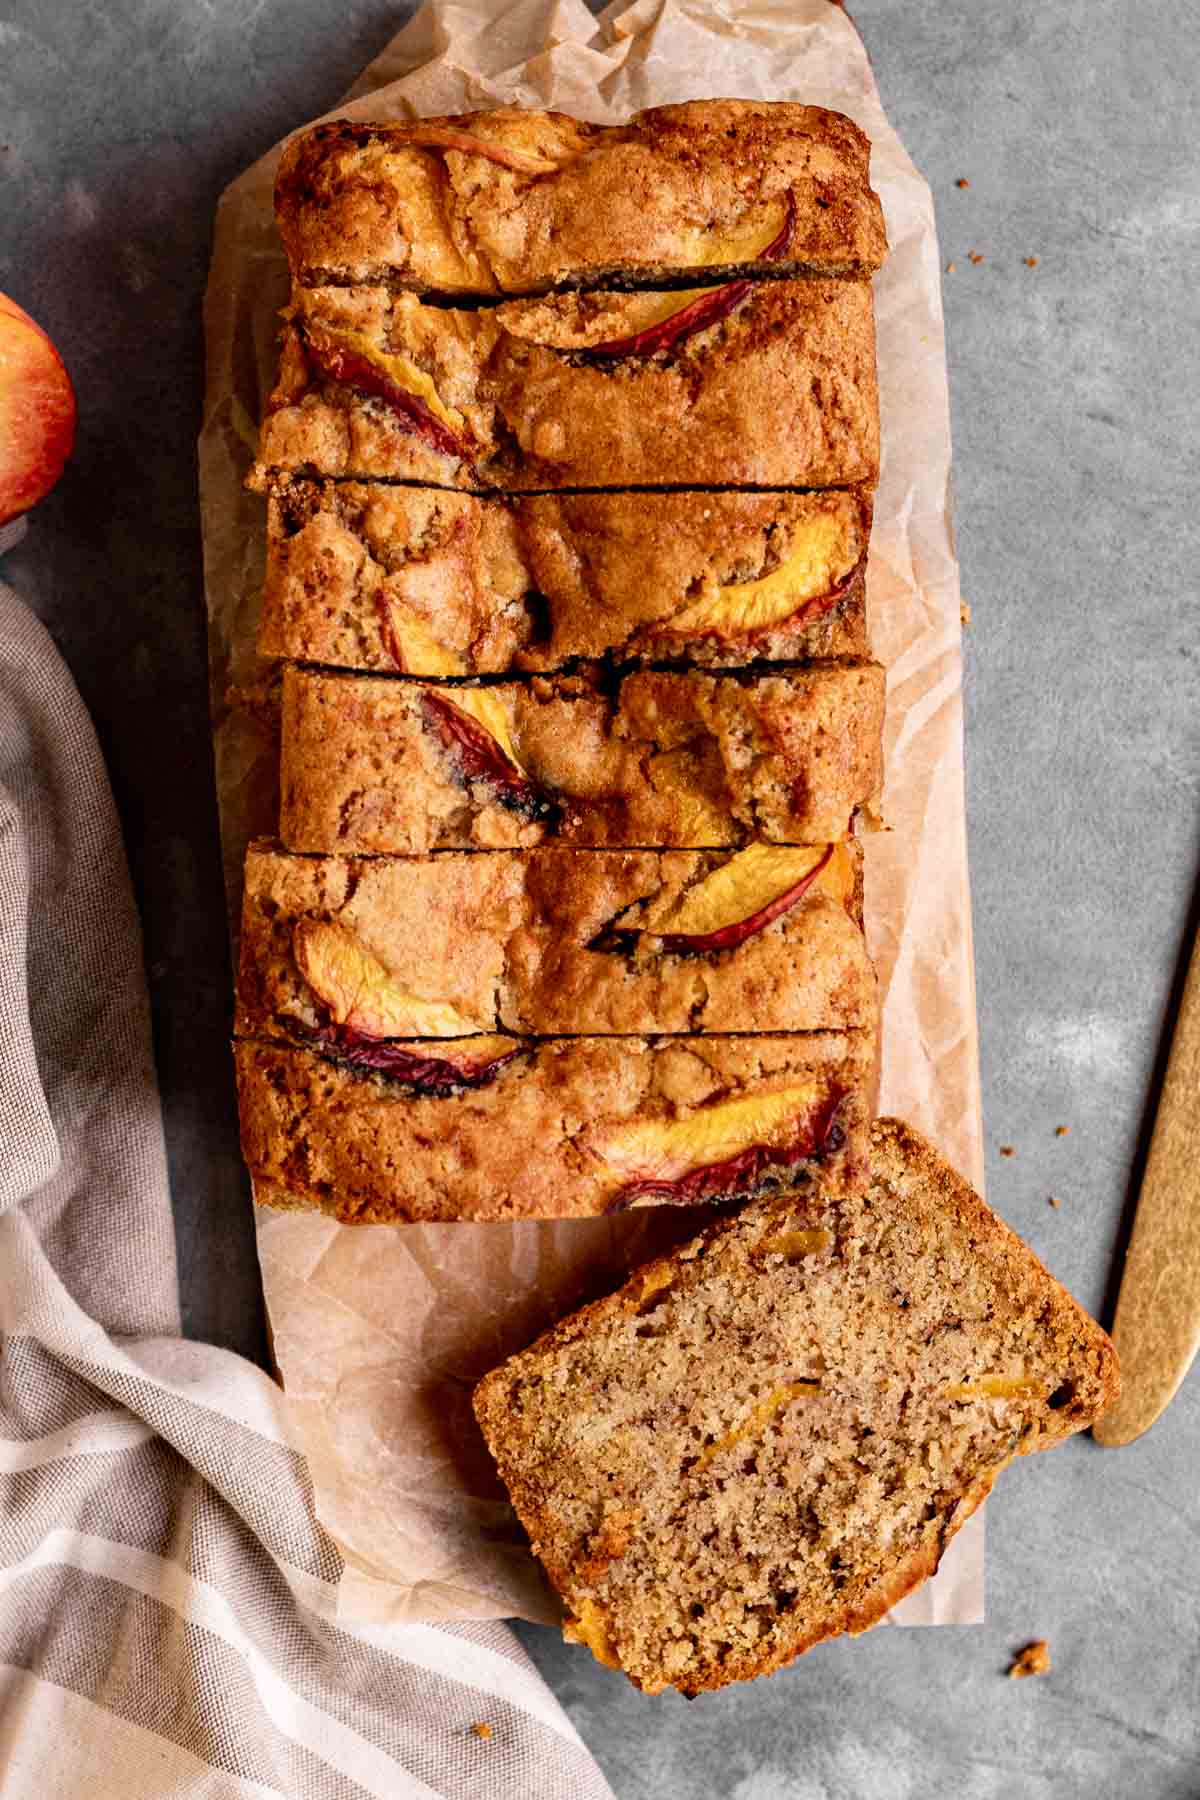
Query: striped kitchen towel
[167,1598]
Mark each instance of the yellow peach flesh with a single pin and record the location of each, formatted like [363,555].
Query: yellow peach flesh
[796,1243]
[736,890]
[838,878]
[760,1417]
[821,557]
[728,249]
[360,993]
[418,653]
[398,369]
[998,1387]
[658,1150]
[414,646]
[485,706]
[590,1626]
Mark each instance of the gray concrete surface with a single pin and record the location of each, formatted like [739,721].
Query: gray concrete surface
[1074,390]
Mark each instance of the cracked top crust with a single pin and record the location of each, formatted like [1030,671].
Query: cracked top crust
[564,1129]
[766,1438]
[549,942]
[377,577]
[779,391]
[516,201]
[376,765]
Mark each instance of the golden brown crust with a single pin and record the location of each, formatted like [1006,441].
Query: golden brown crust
[542,580]
[935,1348]
[779,393]
[667,759]
[531,1142]
[678,188]
[547,942]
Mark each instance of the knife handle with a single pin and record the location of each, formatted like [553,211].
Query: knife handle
[1157,1328]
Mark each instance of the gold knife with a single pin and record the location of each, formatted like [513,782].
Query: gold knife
[1157,1328]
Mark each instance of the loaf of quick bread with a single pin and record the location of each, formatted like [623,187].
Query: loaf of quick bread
[569,468]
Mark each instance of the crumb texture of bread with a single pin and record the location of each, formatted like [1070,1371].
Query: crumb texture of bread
[521,201]
[375,766]
[385,578]
[500,1128]
[779,391]
[550,942]
[766,1438]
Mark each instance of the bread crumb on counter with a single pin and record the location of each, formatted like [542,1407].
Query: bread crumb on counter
[964,612]
[1034,1659]
[1008,1149]
[1054,1201]
[962,182]
[1031,262]
[974,256]
[481,1728]
[951,267]
[1062,1130]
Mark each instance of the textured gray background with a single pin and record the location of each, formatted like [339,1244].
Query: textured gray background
[1074,391]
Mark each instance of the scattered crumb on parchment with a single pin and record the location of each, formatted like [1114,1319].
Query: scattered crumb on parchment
[1034,1659]
[1062,1130]
[1054,1201]
[964,612]
[962,182]
[1031,262]
[974,256]
[1008,1149]
[481,1728]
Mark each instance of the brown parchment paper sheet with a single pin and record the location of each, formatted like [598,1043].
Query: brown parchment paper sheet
[380,1332]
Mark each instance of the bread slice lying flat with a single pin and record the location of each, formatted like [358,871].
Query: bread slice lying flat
[769,1437]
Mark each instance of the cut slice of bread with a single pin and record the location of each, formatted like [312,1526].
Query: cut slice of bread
[519,201]
[768,1437]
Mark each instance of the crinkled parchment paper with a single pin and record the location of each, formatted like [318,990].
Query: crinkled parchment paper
[380,1332]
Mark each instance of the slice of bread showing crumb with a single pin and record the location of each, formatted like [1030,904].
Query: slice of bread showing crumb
[769,1437]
